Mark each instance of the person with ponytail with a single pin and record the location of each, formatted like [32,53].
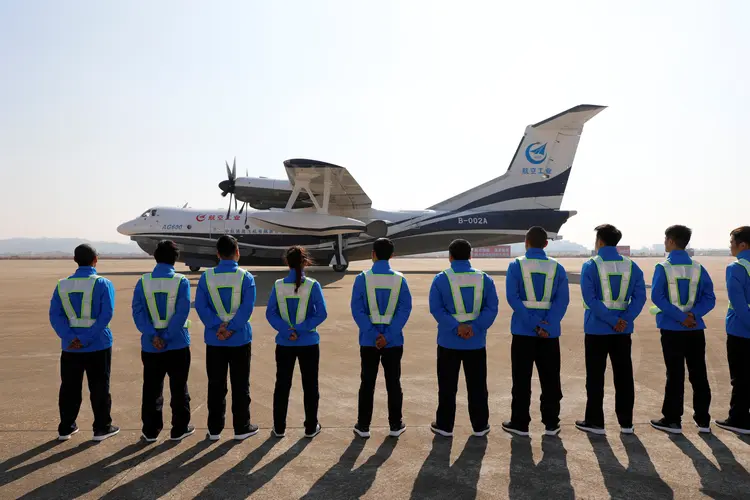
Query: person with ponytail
[295,309]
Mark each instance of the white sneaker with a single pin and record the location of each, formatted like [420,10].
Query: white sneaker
[552,432]
[148,439]
[65,437]
[704,430]
[434,428]
[361,433]
[213,437]
[397,432]
[277,434]
[627,430]
[483,432]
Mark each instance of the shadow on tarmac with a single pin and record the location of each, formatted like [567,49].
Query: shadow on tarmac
[438,479]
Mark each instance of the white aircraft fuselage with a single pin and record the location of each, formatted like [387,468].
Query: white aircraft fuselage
[324,209]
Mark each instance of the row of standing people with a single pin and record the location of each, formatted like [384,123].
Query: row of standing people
[464,303]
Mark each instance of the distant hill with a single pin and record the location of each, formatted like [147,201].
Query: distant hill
[555,247]
[58,247]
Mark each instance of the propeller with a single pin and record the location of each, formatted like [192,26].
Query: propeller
[227,186]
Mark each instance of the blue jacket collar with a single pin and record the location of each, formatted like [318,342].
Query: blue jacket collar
[608,252]
[461,265]
[228,264]
[678,254]
[745,254]
[85,271]
[535,252]
[163,268]
[293,274]
[380,266]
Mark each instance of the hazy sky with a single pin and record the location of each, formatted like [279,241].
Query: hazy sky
[111,107]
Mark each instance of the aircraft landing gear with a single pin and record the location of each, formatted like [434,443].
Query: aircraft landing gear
[339,263]
[195,269]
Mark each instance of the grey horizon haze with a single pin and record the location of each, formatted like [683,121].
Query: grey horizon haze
[110,108]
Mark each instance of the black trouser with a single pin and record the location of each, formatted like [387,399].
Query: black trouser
[545,353]
[371,358]
[617,347]
[738,355]
[96,365]
[679,348]
[156,365]
[309,359]
[475,371]
[237,360]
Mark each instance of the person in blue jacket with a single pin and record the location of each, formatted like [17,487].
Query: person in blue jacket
[161,306]
[683,294]
[737,325]
[381,305]
[614,294]
[80,311]
[464,302]
[296,308]
[224,300]
[537,290]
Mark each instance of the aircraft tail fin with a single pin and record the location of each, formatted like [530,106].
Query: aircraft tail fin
[538,174]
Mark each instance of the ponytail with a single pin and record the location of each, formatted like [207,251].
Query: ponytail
[296,258]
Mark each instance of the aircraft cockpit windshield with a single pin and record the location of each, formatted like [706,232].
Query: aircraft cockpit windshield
[151,212]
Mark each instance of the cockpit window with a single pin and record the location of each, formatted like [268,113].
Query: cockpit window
[151,212]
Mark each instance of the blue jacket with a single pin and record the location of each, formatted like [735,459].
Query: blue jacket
[243,332]
[442,309]
[96,337]
[315,315]
[738,289]
[598,320]
[670,317]
[368,333]
[525,320]
[176,336]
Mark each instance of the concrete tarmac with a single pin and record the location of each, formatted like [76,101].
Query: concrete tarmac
[336,464]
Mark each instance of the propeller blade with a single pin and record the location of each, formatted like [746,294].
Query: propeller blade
[235,203]
[234,168]
[242,207]
[230,205]
[229,172]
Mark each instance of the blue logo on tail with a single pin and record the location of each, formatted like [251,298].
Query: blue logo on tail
[535,153]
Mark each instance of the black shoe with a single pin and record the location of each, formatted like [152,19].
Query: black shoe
[588,427]
[521,430]
[150,438]
[105,433]
[552,430]
[482,432]
[311,433]
[362,431]
[177,435]
[277,433]
[437,430]
[67,435]
[734,426]
[250,430]
[663,425]
[396,431]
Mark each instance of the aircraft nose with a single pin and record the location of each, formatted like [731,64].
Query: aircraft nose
[124,228]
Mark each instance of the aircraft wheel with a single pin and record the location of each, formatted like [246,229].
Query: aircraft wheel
[340,268]
[195,269]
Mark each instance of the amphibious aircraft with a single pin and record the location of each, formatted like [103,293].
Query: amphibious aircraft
[321,206]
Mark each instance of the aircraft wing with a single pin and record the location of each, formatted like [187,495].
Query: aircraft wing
[346,193]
